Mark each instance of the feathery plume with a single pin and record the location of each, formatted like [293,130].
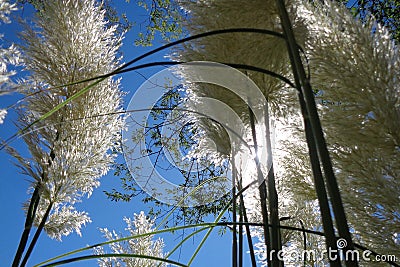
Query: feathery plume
[262,51]
[70,150]
[5,10]
[8,56]
[355,67]
[144,245]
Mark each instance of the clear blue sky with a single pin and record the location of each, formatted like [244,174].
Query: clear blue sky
[103,212]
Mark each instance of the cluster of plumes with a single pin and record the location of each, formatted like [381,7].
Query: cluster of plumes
[8,56]
[70,150]
[355,67]
[144,245]
[263,51]
[237,48]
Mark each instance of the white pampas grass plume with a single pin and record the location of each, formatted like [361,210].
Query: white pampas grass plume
[145,245]
[357,68]
[70,150]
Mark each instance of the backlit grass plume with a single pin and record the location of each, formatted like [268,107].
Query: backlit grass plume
[357,70]
[143,246]
[354,68]
[8,56]
[265,52]
[70,150]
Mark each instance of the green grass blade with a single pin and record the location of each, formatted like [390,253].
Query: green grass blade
[216,222]
[208,234]
[124,239]
[109,255]
[184,240]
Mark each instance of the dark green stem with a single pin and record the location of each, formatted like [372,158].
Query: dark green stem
[333,189]
[234,219]
[240,259]
[36,236]
[276,243]
[304,240]
[30,216]
[249,240]
[262,190]
[319,183]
